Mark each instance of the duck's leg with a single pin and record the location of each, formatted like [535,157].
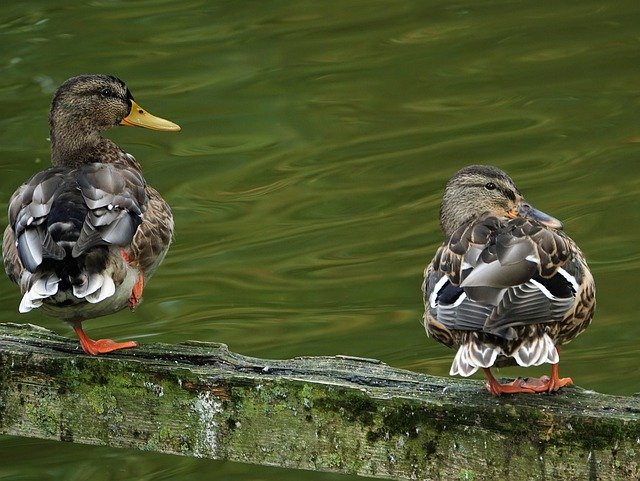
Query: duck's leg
[546,383]
[101,346]
[556,382]
[136,292]
[495,388]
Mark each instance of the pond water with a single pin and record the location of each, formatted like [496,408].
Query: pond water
[317,138]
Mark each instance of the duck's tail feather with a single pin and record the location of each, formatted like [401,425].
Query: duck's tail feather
[43,287]
[98,286]
[536,351]
[70,280]
[472,356]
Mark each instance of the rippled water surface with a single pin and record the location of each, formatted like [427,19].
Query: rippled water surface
[317,138]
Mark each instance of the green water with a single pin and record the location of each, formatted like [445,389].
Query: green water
[317,137]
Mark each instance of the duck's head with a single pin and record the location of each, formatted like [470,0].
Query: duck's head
[86,105]
[480,189]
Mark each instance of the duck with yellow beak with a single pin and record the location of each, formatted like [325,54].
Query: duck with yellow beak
[85,235]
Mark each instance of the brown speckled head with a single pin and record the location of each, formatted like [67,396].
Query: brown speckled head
[86,105]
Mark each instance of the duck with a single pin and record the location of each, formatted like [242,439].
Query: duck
[507,286]
[85,235]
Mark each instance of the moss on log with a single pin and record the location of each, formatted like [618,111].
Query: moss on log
[339,414]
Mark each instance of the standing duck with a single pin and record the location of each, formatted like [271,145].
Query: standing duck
[507,286]
[85,235]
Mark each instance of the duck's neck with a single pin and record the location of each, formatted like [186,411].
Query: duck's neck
[72,146]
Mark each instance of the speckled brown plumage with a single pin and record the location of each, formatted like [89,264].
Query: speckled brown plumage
[149,244]
[86,234]
[507,285]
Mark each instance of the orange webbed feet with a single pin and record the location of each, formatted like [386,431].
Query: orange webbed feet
[101,346]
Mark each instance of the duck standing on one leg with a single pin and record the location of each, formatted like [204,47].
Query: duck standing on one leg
[507,286]
[86,234]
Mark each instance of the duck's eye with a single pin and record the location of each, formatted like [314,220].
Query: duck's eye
[490,186]
[107,92]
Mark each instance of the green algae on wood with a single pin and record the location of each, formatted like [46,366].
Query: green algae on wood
[338,414]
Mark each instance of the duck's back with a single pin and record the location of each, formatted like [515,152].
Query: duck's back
[501,279]
[66,227]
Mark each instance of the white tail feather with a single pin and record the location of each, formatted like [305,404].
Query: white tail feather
[107,288]
[471,357]
[91,285]
[41,289]
[537,351]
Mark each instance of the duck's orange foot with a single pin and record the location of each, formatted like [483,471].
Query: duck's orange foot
[101,346]
[136,292]
[530,386]
[547,384]
[497,389]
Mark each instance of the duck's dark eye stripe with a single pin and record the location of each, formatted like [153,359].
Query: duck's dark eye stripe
[509,194]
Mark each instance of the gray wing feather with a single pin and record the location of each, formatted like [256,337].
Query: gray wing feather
[28,211]
[467,316]
[116,199]
[494,264]
[503,264]
[526,304]
[511,250]
[30,249]
[464,315]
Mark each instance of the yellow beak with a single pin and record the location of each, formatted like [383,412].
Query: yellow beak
[138,117]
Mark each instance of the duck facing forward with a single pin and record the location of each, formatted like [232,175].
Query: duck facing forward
[507,286]
[85,235]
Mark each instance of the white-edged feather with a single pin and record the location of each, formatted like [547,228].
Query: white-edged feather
[107,289]
[536,351]
[471,357]
[91,285]
[436,290]
[41,289]
[570,279]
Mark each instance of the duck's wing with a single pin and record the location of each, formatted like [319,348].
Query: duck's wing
[155,233]
[12,265]
[493,275]
[115,199]
[62,222]
[75,209]
[29,210]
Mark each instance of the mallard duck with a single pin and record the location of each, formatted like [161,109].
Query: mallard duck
[507,286]
[85,235]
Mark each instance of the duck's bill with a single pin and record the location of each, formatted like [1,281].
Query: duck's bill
[530,212]
[138,117]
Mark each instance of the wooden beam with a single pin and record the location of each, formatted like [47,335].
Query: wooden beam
[338,414]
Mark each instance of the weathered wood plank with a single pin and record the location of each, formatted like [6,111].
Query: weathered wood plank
[337,414]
